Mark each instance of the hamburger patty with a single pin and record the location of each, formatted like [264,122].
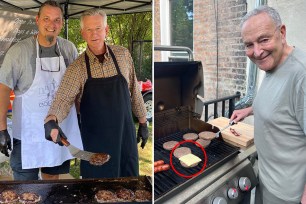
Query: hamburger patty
[29,198]
[9,196]
[181,151]
[203,143]
[125,195]
[190,136]
[207,135]
[169,145]
[105,196]
[143,195]
[99,159]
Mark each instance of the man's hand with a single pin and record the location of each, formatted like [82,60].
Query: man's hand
[142,133]
[239,115]
[5,142]
[53,132]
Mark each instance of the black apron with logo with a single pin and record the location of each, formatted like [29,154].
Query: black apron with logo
[107,125]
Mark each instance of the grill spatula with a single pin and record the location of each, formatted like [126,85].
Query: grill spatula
[230,124]
[81,154]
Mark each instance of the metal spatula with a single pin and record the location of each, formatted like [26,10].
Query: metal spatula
[230,124]
[77,153]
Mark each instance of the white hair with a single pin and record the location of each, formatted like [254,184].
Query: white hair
[93,12]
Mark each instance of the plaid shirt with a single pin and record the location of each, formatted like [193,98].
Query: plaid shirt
[72,84]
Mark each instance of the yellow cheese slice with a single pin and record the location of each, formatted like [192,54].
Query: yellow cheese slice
[190,159]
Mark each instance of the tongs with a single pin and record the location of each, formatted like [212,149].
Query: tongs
[230,124]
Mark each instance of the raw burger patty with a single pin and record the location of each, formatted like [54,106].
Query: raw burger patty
[203,143]
[8,196]
[29,198]
[105,196]
[169,145]
[190,136]
[181,151]
[207,135]
[125,195]
[143,195]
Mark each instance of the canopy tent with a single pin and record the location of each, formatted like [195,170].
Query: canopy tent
[74,8]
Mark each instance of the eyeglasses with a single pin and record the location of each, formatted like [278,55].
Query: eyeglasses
[48,70]
[234,132]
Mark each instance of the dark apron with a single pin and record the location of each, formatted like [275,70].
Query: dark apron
[107,125]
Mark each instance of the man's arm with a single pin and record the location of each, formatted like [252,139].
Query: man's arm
[4,104]
[5,139]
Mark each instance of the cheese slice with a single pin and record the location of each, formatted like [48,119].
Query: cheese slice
[190,159]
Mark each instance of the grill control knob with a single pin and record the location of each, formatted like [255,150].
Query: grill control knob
[244,183]
[219,200]
[232,193]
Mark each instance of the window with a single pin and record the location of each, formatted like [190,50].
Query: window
[181,23]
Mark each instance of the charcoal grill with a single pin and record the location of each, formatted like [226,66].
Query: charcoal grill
[177,111]
[76,190]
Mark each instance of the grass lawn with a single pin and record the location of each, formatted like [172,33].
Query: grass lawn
[145,158]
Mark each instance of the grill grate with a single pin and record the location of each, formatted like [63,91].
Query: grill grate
[218,152]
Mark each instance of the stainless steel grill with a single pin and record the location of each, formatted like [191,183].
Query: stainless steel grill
[176,86]
[172,125]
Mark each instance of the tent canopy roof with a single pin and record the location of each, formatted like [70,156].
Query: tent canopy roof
[74,8]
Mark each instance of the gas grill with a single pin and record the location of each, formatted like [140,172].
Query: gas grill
[228,176]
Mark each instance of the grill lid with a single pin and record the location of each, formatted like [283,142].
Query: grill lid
[177,84]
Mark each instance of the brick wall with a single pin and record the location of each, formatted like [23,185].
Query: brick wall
[157,39]
[229,75]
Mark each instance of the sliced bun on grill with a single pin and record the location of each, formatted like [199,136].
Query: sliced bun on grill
[105,196]
[190,136]
[125,195]
[203,143]
[143,195]
[181,151]
[170,145]
[9,196]
[29,198]
[207,135]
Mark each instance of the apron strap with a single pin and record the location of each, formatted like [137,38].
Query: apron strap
[113,57]
[115,60]
[87,66]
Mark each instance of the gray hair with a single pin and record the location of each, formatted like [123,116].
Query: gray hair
[274,15]
[93,12]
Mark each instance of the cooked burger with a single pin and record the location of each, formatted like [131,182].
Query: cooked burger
[190,136]
[169,145]
[105,196]
[143,195]
[181,151]
[29,198]
[9,196]
[125,195]
[207,135]
[98,159]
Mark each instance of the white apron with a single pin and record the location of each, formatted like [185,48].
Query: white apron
[33,106]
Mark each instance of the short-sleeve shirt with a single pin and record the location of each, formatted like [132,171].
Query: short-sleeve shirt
[19,64]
